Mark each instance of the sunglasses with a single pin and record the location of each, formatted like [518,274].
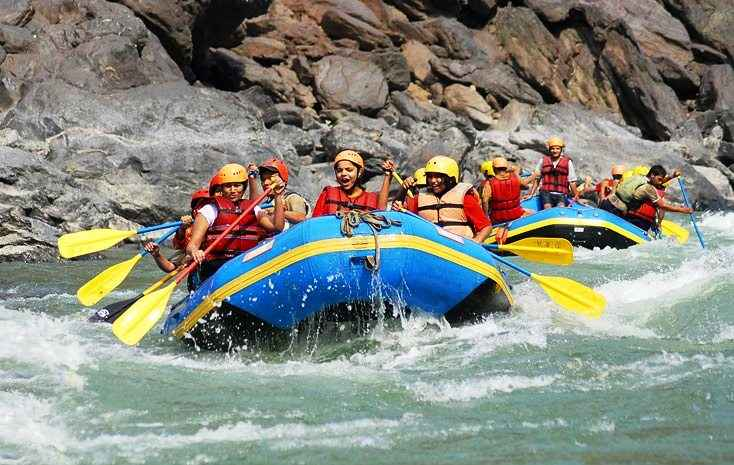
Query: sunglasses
[616,176]
[500,169]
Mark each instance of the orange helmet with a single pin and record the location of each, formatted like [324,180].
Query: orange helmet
[351,156]
[231,172]
[274,164]
[198,196]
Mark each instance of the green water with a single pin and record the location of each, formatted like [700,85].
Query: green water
[649,383]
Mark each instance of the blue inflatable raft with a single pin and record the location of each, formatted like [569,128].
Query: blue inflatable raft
[582,225]
[312,269]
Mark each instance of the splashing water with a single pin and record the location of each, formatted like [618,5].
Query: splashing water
[650,382]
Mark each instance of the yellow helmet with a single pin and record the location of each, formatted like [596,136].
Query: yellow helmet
[420,176]
[351,156]
[555,141]
[487,168]
[443,165]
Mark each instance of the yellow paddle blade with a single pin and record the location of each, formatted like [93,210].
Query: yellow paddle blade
[552,251]
[102,284]
[140,318]
[94,240]
[161,281]
[669,228]
[572,296]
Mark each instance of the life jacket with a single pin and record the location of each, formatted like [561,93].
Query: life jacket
[180,243]
[337,200]
[608,189]
[555,178]
[505,200]
[647,210]
[242,237]
[626,189]
[447,211]
[269,205]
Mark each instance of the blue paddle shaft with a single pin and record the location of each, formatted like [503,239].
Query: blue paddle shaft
[506,262]
[160,240]
[174,224]
[693,219]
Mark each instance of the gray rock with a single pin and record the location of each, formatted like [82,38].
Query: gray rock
[342,82]
[301,141]
[717,88]
[15,12]
[395,68]
[15,39]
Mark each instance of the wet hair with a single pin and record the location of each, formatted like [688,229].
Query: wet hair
[656,170]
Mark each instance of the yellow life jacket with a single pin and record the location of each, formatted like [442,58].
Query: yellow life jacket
[447,211]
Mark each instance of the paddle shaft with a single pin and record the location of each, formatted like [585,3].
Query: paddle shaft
[400,181]
[173,224]
[160,240]
[512,265]
[693,218]
[182,275]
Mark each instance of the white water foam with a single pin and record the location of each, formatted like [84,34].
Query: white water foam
[470,389]
[30,425]
[41,340]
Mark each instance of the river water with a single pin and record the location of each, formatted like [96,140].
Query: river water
[651,382]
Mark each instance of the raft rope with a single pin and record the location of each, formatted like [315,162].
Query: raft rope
[351,219]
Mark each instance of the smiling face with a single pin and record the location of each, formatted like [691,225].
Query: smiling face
[347,174]
[436,183]
[555,151]
[233,190]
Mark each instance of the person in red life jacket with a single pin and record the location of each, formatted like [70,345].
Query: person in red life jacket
[182,236]
[639,199]
[453,205]
[605,187]
[274,173]
[556,174]
[503,192]
[350,194]
[218,213]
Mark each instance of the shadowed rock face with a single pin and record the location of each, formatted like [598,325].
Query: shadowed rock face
[121,109]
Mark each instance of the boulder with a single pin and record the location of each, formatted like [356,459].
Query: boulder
[466,101]
[316,9]
[717,89]
[710,20]
[418,58]
[342,82]
[718,195]
[452,36]
[339,25]
[395,68]
[262,49]
[15,39]
[420,109]
[15,12]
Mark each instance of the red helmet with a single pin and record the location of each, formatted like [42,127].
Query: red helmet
[198,196]
[274,164]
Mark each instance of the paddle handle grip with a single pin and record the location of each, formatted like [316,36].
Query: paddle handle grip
[400,181]
[174,224]
[182,275]
[160,240]
[693,218]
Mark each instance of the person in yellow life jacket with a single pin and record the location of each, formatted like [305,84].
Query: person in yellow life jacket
[556,175]
[453,205]
[638,199]
[502,192]
[350,194]
[220,212]
[606,186]
[274,172]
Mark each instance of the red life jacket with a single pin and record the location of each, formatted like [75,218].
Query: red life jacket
[555,179]
[505,200]
[337,200]
[608,188]
[647,211]
[242,237]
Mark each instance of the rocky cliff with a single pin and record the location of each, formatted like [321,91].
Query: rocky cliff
[114,112]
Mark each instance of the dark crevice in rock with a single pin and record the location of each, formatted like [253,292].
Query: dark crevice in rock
[217,27]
